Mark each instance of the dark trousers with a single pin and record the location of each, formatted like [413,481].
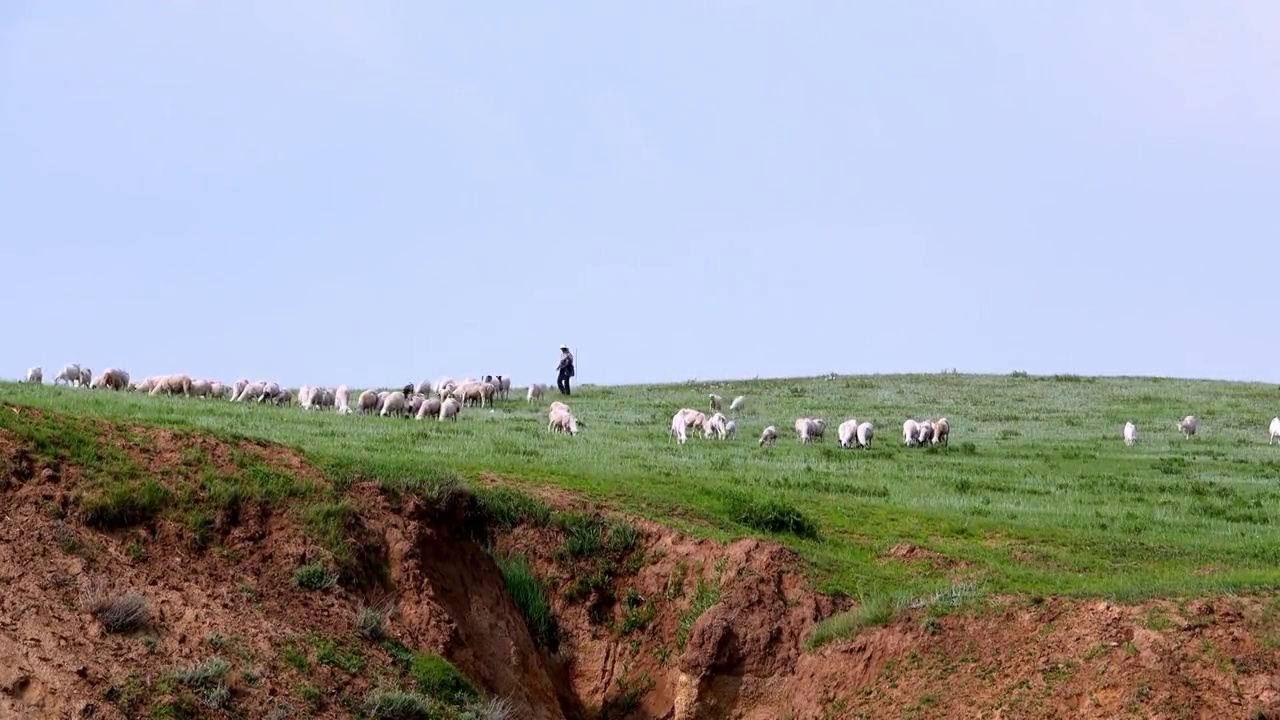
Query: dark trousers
[562,382]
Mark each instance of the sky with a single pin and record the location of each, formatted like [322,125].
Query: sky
[373,192]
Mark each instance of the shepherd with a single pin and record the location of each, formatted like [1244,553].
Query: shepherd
[564,370]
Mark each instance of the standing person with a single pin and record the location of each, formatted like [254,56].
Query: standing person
[564,370]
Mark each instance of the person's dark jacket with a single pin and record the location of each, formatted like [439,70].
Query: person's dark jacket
[566,364]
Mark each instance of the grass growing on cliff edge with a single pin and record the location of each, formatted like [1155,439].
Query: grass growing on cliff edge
[1037,492]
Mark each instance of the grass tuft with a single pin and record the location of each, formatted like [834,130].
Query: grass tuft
[208,680]
[385,704]
[438,678]
[117,612]
[314,576]
[529,594]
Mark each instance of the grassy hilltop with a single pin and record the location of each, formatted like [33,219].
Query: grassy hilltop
[1037,492]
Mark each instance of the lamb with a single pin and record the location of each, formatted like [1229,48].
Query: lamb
[1188,426]
[730,430]
[449,409]
[680,427]
[201,388]
[865,433]
[69,375]
[35,375]
[848,432]
[393,404]
[430,408]
[367,402]
[924,432]
[715,427]
[942,432]
[1274,430]
[910,433]
[737,404]
[488,391]
[560,420]
[342,398]
[536,391]
[769,436]
[715,402]
[1130,434]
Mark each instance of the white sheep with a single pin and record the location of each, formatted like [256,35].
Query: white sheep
[393,404]
[769,436]
[217,390]
[146,384]
[715,427]
[237,389]
[201,388]
[536,391]
[342,398]
[805,429]
[1188,426]
[738,403]
[251,391]
[942,432]
[1130,433]
[818,430]
[424,388]
[1274,430]
[430,408]
[35,375]
[68,375]
[680,427]
[172,385]
[559,420]
[449,409]
[715,402]
[367,402]
[86,375]
[504,387]
[415,404]
[866,431]
[924,432]
[559,405]
[848,432]
[304,396]
[327,398]
[270,391]
[696,419]
[910,432]
[730,430]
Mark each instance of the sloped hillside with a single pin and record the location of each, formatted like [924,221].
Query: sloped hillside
[154,572]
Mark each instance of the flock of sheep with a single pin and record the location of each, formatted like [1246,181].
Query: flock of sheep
[445,398]
[442,400]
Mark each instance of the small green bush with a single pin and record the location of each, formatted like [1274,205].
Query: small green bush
[438,678]
[314,577]
[398,705]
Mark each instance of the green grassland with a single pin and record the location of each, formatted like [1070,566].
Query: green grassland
[1037,493]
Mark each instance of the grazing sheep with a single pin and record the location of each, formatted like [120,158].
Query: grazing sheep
[695,418]
[559,405]
[806,429]
[819,429]
[217,390]
[1130,433]
[85,376]
[536,391]
[488,391]
[415,404]
[715,402]
[848,432]
[865,433]
[284,397]
[1188,426]
[69,375]
[326,399]
[449,409]
[35,375]
[237,389]
[738,403]
[393,404]
[367,402]
[270,391]
[942,432]
[910,433]
[146,385]
[563,421]
[924,432]
[715,427]
[112,379]
[769,436]
[251,391]
[304,396]
[172,385]
[201,388]
[680,427]
[1274,430]
[730,430]
[342,398]
[430,408]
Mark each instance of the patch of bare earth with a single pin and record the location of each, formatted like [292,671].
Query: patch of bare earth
[689,629]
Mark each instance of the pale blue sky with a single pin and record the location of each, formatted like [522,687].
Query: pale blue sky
[373,192]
